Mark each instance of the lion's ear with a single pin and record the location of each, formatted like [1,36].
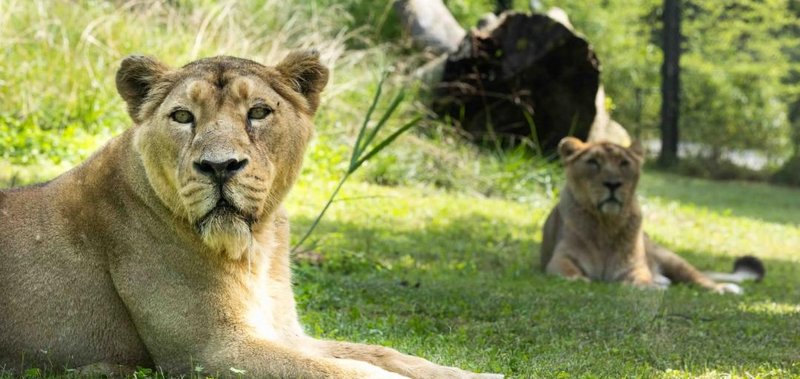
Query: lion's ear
[305,74]
[637,149]
[136,76]
[569,146]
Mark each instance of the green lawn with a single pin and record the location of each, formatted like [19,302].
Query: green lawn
[454,278]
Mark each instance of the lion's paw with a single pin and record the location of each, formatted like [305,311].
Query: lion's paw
[364,370]
[661,281]
[488,376]
[728,288]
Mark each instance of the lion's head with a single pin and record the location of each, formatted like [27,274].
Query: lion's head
[222,139]
[601,176]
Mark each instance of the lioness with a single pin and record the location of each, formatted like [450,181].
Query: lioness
[595,231]
[169,246]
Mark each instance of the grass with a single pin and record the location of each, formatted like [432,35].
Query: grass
[454,277]
[432,246]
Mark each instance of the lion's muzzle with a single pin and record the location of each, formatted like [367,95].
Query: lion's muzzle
[226,200]
[613,203]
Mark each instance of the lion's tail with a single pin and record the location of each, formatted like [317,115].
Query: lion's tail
[744,268]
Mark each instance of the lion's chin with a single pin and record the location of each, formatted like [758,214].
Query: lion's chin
[226,232]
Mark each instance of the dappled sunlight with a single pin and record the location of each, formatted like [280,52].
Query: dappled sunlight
[771,308]
[756,201]
[714,374]
[682,226]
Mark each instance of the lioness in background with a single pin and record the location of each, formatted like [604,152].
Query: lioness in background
[595,231]
[169,246]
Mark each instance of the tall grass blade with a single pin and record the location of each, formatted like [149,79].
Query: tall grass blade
[388,140]
[321,213]
[397,100]
[362,144]
[538,150]
[358,145]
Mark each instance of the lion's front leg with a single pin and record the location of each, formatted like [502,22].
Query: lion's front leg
[640,276]
[563,265]
[393,360]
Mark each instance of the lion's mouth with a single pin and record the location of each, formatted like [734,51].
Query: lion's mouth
[223,210]
[223,205]
[610,205]
[610,200]
[227,228]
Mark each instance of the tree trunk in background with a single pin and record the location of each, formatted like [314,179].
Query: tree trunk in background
[794,78]
[789,173]
[670,85]
[794,122]
[431,24]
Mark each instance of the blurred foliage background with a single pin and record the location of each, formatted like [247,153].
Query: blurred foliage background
[740,77]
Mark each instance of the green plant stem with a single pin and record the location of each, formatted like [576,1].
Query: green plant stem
[322,213]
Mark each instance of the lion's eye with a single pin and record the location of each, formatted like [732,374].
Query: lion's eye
[258,113]
[593,162]
[182,116]
[624,163]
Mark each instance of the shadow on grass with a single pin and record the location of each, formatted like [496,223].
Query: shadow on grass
[465,294]
[752,200]
[468,243]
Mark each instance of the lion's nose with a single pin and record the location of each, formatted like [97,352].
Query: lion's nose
[220,171]
[612,185]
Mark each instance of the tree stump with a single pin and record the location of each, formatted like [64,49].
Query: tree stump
[522,77]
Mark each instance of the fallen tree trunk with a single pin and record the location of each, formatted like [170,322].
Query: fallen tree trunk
[528,77]
[524,78]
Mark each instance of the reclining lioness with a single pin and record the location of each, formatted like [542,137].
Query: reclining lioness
[595,231]
[169,246]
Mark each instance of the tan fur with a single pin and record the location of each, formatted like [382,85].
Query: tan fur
[595,233]
[139,257]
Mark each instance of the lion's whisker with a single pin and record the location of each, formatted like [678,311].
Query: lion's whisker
[252,198]
[188,192]
[251,188]
[193,203]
